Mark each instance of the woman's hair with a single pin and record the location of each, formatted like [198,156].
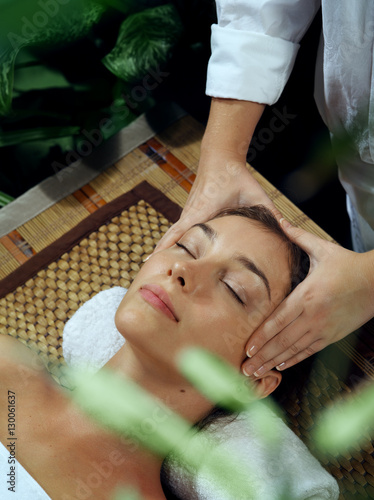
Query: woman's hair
[298,259]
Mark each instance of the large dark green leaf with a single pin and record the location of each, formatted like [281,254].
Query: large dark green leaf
[28,23]
[145,41]
[36,134]
[7,62]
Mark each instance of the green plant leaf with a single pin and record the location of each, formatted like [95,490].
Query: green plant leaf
[7,63]
[224,386]
[132,410]
[145,41]
[344,425]
[216,379]
[127,494]
[16,137]
[122,406]
[5,199]
[37,26]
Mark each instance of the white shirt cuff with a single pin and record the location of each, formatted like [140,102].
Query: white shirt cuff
[249,66]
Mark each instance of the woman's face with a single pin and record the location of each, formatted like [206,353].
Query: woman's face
[219,282]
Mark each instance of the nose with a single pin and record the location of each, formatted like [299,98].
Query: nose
[184,274]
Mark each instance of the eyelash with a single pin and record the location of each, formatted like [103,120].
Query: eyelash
[233,293]
[185,249]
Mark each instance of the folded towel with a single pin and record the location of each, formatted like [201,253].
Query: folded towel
[90,337]
[280,465]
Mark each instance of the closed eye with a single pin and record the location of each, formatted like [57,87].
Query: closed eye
[185,249]
[234,294]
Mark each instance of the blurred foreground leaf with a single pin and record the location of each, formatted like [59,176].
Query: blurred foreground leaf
[216,379]
[344,425]
[223,385]
[122,406]
[132,410]
[127,494]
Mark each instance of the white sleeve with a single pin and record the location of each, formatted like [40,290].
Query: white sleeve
[254,46]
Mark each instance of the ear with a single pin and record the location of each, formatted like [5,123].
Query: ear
[267,383]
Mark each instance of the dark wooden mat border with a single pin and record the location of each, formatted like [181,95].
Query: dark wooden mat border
[92,222]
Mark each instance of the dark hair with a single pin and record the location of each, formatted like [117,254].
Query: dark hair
[298,259]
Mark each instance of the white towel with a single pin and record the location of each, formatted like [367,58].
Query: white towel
[90,337]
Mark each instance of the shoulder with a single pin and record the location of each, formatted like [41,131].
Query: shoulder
[8,345]
[14,353]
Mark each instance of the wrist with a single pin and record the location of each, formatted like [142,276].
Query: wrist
[221,155]
[230,128]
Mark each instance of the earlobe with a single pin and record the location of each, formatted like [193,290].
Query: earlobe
[267,384]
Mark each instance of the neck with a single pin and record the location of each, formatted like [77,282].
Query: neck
[166,386]
[162,383]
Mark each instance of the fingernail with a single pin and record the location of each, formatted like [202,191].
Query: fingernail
[284,223]
[248,370]
[149,256]
[252,351]
[281,366]
[259,372]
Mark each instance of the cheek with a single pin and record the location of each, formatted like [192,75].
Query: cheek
[145,330]
[220,331]
[157,265]
[154,267]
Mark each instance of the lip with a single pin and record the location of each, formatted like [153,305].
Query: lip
[157,297]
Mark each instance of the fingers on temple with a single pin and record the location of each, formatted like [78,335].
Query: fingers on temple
[283,317]
[282,347]
[295,347]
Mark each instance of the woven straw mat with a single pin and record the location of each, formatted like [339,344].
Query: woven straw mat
[37,311]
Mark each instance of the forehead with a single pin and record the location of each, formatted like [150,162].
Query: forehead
[240,233]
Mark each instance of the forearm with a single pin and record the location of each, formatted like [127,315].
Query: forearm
[222,179]
[230,127]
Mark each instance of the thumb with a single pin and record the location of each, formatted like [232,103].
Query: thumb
[313,245]
[173,234]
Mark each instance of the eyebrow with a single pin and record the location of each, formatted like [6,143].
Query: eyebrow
[242,259]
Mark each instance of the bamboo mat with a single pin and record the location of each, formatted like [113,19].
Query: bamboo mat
[96,238]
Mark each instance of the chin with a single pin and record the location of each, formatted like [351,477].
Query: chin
[129,321]
[136,324]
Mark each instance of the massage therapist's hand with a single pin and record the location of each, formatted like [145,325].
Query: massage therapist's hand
[222,181]
[335,298]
